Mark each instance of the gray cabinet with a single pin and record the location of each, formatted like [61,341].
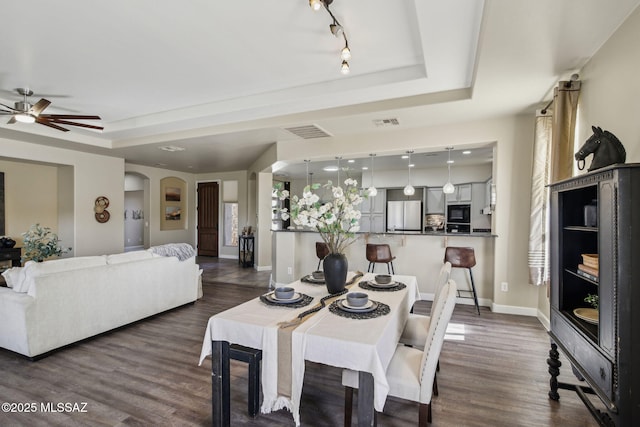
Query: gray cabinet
[462,194]
[435,200]
[373,215]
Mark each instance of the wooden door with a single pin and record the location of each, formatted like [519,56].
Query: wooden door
[208,219]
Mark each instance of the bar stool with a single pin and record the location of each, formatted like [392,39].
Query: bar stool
[463,258]
[379,253]
[322,250]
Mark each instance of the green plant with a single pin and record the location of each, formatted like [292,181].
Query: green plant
[593,300]
[40,243]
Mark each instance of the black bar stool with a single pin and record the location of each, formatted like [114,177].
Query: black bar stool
[379,253]
[463,258]
[322,250]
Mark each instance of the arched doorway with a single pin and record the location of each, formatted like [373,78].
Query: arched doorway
[136,211]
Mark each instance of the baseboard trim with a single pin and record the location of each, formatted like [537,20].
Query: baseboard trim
[262,267]
[513,309]
[544,320]
[228,256]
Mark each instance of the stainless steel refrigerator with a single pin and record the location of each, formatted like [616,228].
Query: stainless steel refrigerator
[404,215]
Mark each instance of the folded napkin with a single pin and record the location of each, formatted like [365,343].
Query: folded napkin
[288,389]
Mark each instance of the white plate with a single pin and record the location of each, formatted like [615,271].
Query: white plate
[375,284]
[345,303]
[297,296]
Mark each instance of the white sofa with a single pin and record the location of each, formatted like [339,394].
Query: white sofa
[59,302]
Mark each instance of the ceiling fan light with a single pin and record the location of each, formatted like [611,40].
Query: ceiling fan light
[25,118]
[345,54]
[344,69]
[448,188]
[409,190]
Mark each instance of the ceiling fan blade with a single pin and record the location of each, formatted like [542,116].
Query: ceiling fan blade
[8,109]
[12,120]
[82,125]
[39,106]
[69,117]
[51,125]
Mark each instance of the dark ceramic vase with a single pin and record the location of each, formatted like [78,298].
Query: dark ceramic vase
[335,268]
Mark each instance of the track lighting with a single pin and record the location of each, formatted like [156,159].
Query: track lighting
[315,4]
[337,30]
[344,69]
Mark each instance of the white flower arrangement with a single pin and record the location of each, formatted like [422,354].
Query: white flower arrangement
[335,220]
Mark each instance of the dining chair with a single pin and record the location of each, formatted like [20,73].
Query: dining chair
[379,253]
[417,326]
[322,250]
[411,372]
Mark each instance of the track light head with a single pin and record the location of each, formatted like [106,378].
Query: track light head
[336,29]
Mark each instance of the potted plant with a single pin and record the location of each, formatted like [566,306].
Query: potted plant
[40,243]
[336,220]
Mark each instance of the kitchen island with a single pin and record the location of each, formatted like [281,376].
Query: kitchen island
[417,254]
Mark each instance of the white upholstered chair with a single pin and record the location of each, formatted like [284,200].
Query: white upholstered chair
[411,371]
[417,326]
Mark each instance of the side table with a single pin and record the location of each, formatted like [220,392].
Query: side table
[11,254]
[245,251]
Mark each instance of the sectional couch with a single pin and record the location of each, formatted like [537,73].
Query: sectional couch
[56,303]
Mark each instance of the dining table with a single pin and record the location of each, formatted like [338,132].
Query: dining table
[332,335]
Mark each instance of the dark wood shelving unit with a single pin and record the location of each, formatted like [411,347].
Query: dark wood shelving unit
[604,355]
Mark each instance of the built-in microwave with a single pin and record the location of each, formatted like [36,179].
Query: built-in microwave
[459,214]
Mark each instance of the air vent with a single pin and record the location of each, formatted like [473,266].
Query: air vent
[386,122]
[171,148]
[308,132]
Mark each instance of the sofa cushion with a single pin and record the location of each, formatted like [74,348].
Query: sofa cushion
[35,269]
[128,257]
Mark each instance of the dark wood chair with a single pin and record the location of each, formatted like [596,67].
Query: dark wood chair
[463,258]
[380,254]
[322,250]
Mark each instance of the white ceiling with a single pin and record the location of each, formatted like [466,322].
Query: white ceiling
[224,79]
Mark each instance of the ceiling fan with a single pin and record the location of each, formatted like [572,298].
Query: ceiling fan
[25,112]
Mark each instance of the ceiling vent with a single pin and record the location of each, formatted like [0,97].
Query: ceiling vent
[386,122]
[308,132]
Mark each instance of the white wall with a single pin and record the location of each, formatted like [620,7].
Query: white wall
[93,176]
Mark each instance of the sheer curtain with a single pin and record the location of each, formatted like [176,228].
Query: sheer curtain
[552,161]
[539,220]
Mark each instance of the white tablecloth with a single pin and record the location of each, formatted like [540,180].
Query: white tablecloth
[359,344]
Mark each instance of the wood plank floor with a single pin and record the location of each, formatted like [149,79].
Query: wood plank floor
[493,373]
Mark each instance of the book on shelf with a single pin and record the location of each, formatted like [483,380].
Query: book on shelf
[587,269]
[587,275]
[590,260]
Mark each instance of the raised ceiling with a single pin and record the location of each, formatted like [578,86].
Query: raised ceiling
[223,80]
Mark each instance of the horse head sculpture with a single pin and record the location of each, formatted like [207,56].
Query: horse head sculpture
[606,148]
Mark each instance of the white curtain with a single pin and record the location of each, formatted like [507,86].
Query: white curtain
[539,220]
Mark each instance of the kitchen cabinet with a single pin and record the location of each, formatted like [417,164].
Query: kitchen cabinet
[373,212]
[462,194]
[435,200]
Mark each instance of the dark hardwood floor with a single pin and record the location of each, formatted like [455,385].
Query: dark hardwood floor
[493,373]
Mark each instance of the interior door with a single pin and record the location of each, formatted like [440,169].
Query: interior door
[208,219]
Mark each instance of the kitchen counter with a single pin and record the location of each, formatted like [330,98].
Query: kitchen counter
[417,254]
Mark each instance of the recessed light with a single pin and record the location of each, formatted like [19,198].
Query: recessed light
[451,161]
[411,165]
[364,168]
[466,152]
[351,161]
[171,148]
[160,164]
[404,157]
[330,168]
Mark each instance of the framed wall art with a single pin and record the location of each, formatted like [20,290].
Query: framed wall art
[173,204]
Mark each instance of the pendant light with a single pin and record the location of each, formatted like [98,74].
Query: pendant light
[307,162]
[408,189]
[372,191]
[338,159]
[448,188]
